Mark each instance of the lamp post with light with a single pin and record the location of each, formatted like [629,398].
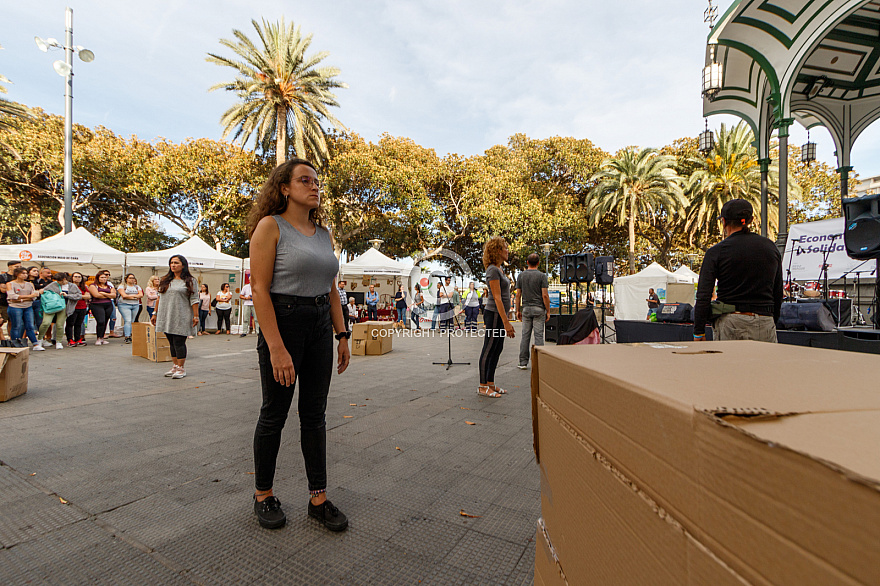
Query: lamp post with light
[65,69]
[545,248]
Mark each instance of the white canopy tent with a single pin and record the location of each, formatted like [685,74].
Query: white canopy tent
[631,292]
[687,273]
[372,264]
[210,266]
[79,250]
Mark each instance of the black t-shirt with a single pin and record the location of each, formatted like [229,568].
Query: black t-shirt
[653,301]
[41,283]
[5,278]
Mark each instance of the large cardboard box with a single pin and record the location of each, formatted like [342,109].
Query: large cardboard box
[358,347]
[13,372]
[761,453]
[149,344]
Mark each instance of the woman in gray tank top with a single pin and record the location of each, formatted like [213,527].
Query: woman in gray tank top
[293,273]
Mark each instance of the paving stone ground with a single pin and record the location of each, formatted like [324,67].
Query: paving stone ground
[111,473]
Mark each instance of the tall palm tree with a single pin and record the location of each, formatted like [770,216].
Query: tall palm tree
[638,187]
[282,90]
[730,171]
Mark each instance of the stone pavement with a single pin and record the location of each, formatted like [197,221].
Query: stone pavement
[112,474]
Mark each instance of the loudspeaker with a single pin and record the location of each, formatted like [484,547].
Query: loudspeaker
[567,268]
[675,313]
[577,268]
[584,267]
[604,270]
[813,317]
[861,234]
[841,309]
[557,324]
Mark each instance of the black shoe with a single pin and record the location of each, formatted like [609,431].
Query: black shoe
[243,336]
[128,340]
[269,512]
[330,516]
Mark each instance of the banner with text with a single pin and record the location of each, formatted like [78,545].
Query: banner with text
[807,246]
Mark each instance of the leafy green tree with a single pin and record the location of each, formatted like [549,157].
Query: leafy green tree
[819,186]
[636,186]
[282,91]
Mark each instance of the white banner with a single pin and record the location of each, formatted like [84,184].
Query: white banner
[198,263]
[27,255]
[807,245]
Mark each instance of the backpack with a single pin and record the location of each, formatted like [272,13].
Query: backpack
[52,302]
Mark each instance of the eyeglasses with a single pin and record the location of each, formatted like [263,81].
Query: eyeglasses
[307,181]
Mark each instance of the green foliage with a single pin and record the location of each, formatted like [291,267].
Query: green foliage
[281,91]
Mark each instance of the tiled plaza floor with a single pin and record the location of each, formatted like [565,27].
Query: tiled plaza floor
[112,474]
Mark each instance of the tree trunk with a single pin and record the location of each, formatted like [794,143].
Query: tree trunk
[36,232]
[632,235]
[280,134]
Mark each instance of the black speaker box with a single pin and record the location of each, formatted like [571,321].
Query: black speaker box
[557,324]
[568,268]
[577,268]
[604,270]
[675,313]
[813,317]
[861,233]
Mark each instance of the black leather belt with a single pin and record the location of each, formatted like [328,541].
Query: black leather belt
[299,300]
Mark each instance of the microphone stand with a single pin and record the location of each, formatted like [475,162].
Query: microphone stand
[449,363]
[788,275]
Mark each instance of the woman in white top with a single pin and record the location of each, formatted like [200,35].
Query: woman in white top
[224,308]
[128,302]
[471,307]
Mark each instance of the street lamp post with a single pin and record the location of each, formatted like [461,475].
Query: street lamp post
[545,248]
[65,69]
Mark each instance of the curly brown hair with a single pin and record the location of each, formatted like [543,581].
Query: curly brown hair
[270,201]
[492,251]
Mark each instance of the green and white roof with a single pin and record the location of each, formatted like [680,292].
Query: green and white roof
[774,51]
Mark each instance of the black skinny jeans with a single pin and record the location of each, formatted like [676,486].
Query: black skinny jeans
[493,344]
[307,333]
[223,315]
[102,313]
[178,345]
[73,329]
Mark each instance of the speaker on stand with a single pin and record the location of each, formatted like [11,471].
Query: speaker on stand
[604,278]
[576,269]
[861,238]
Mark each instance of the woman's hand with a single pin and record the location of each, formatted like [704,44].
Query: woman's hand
[282,367]
[508,327]
[343,356]
[153,319]
[195,320]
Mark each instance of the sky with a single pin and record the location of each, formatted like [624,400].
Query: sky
[455,76]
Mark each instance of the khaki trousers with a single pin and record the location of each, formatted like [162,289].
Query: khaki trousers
[738,326]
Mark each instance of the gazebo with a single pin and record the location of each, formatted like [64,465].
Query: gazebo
[810,61]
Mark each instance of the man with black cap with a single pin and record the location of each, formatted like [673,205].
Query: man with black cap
[748,269]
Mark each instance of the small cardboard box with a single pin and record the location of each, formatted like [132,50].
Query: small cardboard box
[13,372]
[762,454]
[358,347]
[149,344]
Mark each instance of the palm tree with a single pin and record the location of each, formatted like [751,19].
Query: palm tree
[730,171]
[638,187]
[282,90]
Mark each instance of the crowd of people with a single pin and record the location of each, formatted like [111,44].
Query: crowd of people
[42,308]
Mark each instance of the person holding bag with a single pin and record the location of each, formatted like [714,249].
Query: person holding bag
[77,308]
[54,307]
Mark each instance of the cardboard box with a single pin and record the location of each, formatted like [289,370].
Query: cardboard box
[149,344]
[761,453]
[548,571]
[13,372]
[375,338]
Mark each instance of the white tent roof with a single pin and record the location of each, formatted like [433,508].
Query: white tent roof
[373,262]
[686,272]
[198,254]
[631,292]
[70,251]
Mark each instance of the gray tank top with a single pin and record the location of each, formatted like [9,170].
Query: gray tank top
[304,265]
